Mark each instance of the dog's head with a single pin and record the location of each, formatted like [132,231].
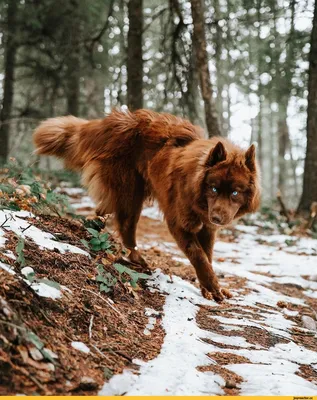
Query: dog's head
[231,184]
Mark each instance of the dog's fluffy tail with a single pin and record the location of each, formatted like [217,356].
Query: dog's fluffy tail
[59,137]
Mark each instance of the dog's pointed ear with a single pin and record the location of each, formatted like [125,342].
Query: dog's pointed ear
[250,158]
[216,155]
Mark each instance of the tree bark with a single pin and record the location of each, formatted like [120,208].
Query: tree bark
[282,146]
[8,82]
[219,68]
[200,44]
[260,87]
[135,55]
[309,194]
[73,60]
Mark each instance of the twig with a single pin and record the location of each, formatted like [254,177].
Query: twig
[33,379]
[12,325]
[4,222]
[107,302]
[23,230]
[99,352]
[90,326]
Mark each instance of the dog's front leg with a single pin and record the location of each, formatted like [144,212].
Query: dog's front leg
[189,244]
[206,237]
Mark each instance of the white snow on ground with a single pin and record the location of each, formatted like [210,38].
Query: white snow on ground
[85,202]
[153,213]
[174,371]
[271,371]
[81,347]
[13,221]
[41,288]
[70,191]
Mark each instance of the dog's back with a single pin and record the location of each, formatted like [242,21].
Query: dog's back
[112,153]
[120,134]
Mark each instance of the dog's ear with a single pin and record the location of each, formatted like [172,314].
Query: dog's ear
[216,155]
[250,158]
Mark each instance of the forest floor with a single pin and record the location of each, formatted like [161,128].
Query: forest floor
[62,332]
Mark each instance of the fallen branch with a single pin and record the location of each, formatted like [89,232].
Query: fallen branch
[284,210]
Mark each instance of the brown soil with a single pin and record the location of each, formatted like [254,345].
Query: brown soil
[253,335]
[113,331]
[228,358]
[232,380]
[307,372]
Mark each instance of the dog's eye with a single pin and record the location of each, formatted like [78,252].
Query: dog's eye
[214,190]
[235,193]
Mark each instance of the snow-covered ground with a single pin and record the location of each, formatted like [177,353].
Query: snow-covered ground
[270,370]
[11,221]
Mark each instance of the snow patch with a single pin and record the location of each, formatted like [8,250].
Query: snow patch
[13,221]
[81,347]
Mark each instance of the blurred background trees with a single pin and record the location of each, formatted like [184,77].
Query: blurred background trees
[244,65]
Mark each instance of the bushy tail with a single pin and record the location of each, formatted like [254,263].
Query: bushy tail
[58,137]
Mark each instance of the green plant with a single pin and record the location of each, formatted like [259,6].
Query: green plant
[19,250]
[134,276]
[291,242]
[31,277]
[22,188]
[36,341]
[99,241]
[107,281]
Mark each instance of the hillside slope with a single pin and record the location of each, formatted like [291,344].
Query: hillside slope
[75,319]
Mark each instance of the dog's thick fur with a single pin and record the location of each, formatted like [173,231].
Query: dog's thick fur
[127,157]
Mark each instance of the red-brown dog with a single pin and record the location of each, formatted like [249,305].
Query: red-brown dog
[200,185]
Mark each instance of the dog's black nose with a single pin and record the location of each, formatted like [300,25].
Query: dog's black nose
[216,219]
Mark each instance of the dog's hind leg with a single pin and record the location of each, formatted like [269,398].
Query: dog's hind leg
[128,210]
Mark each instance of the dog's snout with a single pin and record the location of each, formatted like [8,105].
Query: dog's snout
[216,219]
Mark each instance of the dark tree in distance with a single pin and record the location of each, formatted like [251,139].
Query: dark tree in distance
[11,46]
[200,45]
[135,55]
[309,194]
[73,59]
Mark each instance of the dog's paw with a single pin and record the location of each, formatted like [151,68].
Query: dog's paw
[216,294]
[206,294]
[226,293]
[136,258]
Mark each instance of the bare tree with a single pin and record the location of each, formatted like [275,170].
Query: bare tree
[310,173]
[200,44]
[8,83]
[135,57]
[73,59]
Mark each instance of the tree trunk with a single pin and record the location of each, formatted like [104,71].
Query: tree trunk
[272,155]
[200,44]
[282,146]
[135,57]
[8,82]
[192,95]
[310,172]
[73,60]
[219,68]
